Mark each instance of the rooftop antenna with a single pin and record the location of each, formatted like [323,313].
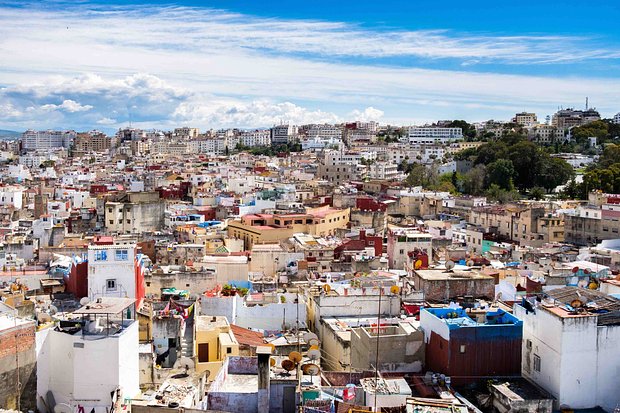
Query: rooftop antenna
[586,103]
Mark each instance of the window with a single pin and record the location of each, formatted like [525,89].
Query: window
[111,222]
[101,255]
[121,255]
[462,348]
[401,252]
[228,350]
[110,285]
[536,362]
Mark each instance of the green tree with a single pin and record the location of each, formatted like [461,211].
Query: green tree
[501,172]
[473,180]
[526,158]
[537,193]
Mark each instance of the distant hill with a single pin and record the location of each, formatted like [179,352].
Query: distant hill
[9,134]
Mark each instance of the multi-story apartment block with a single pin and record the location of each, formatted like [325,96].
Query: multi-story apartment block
[93,141]
[135,212]
[545,134]
[428,135]
[617,118]
[258,137]
[269,228]
[282,134]
[47,140]
[186,133]
[567,118]
[525,119]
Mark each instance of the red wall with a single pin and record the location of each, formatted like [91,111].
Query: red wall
[482,357]
[77,280]
[140,284]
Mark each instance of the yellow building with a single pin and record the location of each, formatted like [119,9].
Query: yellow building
[213,342]
[269,228]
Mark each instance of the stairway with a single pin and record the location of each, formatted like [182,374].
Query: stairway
[187,342]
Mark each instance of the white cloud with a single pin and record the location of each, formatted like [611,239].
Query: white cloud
[215,69]
[106,121]
[68,105]
[247,115]
[367,115]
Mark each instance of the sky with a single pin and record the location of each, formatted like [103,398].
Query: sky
[225,63]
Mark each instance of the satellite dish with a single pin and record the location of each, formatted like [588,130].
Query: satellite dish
[314,348]
[586,271]
[63,408]
[575,270]
[273,347]
[44,318]
[470,263]
[314,354]
[394,289]
[184,361]
[450,265]
[417,264]
[53,309]
[294,356]
[311,369]
[327,288]
[287,365]
[309,336]
[272,361]
[313,342]
[84,301]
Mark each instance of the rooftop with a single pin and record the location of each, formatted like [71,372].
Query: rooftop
[206,323]
[106,305]
[443,275]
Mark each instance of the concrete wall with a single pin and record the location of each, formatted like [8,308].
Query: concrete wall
[352,305]
[398,351]
[262,317]
[578,363]
[18,364]
[336,349]
[85,371]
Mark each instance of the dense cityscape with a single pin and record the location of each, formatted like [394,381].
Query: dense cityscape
[352,206]
[345,267]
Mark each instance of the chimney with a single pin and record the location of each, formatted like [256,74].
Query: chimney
[362,234]
[263,353]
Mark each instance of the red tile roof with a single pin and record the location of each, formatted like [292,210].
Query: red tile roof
[247,337]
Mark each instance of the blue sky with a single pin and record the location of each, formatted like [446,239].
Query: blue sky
[225,63]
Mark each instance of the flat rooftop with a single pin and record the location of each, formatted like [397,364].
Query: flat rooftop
[106,305]
[207,322]
[443,275]
[7,322]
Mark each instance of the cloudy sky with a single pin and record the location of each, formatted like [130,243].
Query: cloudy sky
[224,63]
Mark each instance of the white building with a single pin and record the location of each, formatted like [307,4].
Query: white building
[317,143]
[617,118]
[282,134]
[12,196]
[324,131]
[85,366]
[383,170]
[573,354]
[258,137]
[112,271]
[46,140]
[431,135]
[336,157]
